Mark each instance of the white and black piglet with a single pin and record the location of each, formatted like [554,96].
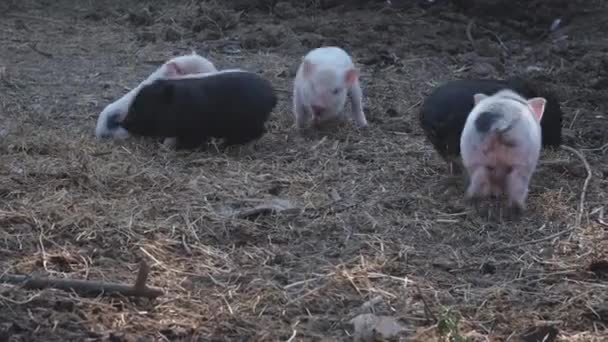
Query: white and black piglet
[108,122]
[445,111]
[500,144]
[232,105]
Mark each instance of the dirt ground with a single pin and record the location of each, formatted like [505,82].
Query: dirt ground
[371,225]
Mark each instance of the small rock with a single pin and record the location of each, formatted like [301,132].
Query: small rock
[369,327]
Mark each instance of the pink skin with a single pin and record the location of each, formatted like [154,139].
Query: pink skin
[495,167]
[323,81]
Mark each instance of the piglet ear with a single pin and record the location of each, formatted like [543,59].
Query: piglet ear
[307,68]
[478,97]
[538,107]
[351,76]
[173,70]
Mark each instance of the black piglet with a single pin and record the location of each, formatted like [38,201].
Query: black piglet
[232,105]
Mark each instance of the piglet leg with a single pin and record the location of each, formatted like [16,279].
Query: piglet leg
[356,98]
[302,115]
[479,184]
[455,165]
[517,190]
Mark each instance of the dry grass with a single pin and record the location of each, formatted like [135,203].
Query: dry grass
[373,218]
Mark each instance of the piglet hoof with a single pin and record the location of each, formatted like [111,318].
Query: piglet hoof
[472,200]
[362,123]
[477,205]
[483,210]
[515,212]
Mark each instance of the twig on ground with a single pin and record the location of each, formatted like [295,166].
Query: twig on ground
[295,332]
[427,309]
[531,242]
[581,206]
[34,47]
[469,32]
[600,218]
[88,287]
[23,301]
[500,42]
[601,148]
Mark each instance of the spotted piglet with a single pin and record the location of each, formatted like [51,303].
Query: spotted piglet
[323,80]
[500,146]
[108,123]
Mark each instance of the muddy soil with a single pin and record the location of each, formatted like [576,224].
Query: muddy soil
[374,226]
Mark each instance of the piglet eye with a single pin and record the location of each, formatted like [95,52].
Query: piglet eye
[336,91]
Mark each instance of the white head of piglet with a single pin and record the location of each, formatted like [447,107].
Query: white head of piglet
[326,88]
[180,66]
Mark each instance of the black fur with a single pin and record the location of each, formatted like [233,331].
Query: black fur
[485,120]
[233,106]
[445,111]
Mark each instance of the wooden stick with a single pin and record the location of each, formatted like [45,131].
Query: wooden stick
[531,242]
[427,309]
[88,287]
[142,276]
[581,205]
